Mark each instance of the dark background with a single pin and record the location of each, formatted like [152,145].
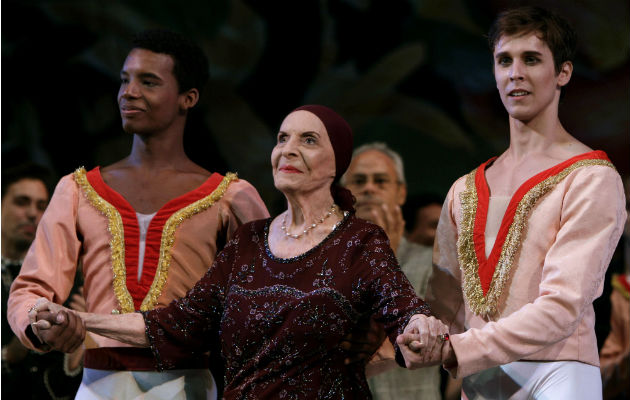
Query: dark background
[415,74]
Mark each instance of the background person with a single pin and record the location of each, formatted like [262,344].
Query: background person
[28,374]
[376,179]
[422,214]
[614,356]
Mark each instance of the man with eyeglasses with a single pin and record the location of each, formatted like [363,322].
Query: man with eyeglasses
[376,178]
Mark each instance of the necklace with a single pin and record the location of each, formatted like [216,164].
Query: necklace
[310,227]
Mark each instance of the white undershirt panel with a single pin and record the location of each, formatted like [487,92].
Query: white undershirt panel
[143,224]
[497,205]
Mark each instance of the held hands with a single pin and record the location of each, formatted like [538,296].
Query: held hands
[424,342]
[58,327]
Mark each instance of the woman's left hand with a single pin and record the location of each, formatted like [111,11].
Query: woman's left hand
[422,341]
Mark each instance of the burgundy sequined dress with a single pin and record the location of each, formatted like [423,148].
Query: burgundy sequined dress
[281,320]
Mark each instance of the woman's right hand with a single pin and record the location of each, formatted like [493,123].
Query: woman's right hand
[424,341]
[58,327]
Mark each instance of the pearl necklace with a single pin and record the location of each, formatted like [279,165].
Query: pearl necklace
[309,228]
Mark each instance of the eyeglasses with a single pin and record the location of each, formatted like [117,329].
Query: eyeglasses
[380,181]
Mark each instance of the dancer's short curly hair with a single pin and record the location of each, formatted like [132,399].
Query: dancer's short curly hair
[190,63]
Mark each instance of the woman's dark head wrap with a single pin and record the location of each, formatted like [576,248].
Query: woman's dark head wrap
[340,135]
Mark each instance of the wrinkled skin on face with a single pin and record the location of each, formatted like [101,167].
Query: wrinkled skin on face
[303,159]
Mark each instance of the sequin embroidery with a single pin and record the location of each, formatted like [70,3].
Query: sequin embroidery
[280,336]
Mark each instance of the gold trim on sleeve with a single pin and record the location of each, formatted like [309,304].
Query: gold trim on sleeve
[488,305]
[168,238]
[116,243]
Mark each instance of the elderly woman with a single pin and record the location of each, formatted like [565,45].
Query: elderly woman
[285,291]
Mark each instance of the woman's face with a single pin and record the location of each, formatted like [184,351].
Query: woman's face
[303,159]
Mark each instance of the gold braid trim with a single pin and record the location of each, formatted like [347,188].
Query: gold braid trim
[116,243]
[168,238]
[466,255]
[487,305]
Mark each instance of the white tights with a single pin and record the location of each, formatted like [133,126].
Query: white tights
[521,380]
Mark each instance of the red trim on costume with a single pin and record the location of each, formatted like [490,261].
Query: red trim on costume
[139,290]
[479,230]
[488,266]
[621,283]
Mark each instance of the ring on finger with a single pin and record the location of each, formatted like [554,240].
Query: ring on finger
[443,337]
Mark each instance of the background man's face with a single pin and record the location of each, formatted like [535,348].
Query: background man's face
[22,208]
[372,179]
[427,219]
